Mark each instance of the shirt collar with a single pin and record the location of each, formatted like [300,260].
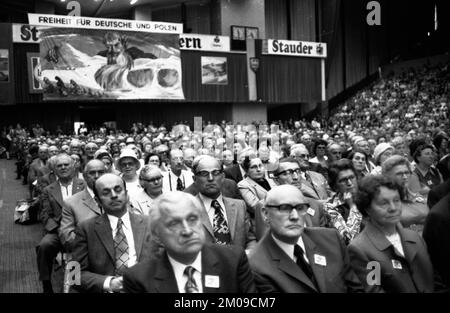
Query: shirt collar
[288,248]
[90,191]
[125,220]
[178,268]
[207,201]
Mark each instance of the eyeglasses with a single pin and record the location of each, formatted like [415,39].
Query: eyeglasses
[214,173]
[401,174]
[289,172]
[152,180]
[286,209]
[303,156]
[126,164]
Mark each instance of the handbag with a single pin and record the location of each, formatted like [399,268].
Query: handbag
[25,212]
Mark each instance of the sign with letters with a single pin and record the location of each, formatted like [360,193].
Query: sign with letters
[204,42]
[23,33]
[296,48]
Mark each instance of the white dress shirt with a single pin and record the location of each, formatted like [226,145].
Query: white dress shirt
[289,249]
[178,269]
[210,210]
[126,227]
[396,242]
[170,180]
[66,191]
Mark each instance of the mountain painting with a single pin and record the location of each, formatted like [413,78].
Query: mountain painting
[87,64]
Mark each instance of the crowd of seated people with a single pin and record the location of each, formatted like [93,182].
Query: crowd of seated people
[294,206]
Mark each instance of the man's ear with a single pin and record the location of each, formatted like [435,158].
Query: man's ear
[265,215]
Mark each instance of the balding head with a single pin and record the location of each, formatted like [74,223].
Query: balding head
[92,171]
[284,210]
[111,194]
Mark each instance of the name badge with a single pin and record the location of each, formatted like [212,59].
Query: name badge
[320,259]
[396,264]
[311,211]
[430,183]
[212,281]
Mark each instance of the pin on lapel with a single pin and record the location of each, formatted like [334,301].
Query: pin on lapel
[212,281]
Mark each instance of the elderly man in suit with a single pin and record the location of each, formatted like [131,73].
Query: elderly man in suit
[80,206]
[314,184]
[288,173]
[106,245]
[38,168]
[292,258]
[52,202]
[188,264]
[176,178]
[226,220]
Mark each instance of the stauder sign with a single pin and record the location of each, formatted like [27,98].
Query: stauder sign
[296,48]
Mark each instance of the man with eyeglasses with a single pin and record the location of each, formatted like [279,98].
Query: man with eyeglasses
[288,173]
[297,259]
[226,220]
[107,245]
[80,206]
[151,180]
[314,184]
[176,178]
[188,264]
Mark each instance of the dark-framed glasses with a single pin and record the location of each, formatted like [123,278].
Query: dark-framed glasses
[289,172]
[152,180]
[214,173]
[301,208]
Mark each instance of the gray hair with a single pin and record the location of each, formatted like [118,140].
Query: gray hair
[392,162]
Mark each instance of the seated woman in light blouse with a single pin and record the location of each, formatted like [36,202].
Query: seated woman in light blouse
[386,256]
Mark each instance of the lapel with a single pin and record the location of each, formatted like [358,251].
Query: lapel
[308,189]
[90,203]
[259,190]
[138,229]
[230,208]
[210,266]
[205,218]
[284,262]
[409,242]
[379,240]
[165,281]
[318,270]
[77,185]
[55,191]
[104,232]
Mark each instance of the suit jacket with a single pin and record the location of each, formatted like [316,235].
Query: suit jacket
[316,187]
[229,263]
[437,193]
[76,209]
[238,222]
[413,273]
[229,189]
[94,249]
[233,172]
[275,271]
[52,202]
[437,236]
[316,217]
[254,195]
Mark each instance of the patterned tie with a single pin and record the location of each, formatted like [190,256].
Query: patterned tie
[191,285]
[180,186]
[220,226]
[301,262]
[121,253]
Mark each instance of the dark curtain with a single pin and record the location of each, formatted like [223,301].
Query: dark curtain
[235,91]
[287,78]
[198,19]
[355,41]
[303,20]
[169,15]
[7,77]
[22,92]
[276,19]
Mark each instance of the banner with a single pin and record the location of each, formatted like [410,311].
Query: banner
[4,65]
[24,33]
[34,72]
[86,64]
[295,48]
[214,71]
[103,23]
[204,42]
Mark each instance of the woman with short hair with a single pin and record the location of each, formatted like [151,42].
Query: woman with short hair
[386,256]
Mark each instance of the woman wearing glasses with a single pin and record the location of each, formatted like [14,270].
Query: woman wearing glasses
[253,189]
[341,209]
[385,256]
[150,178]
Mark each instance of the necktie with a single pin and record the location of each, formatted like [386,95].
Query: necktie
[121,252]
[301,262]
[191,285]
[220,226]
[179,184]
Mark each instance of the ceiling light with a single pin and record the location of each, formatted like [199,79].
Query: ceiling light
[133,2]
